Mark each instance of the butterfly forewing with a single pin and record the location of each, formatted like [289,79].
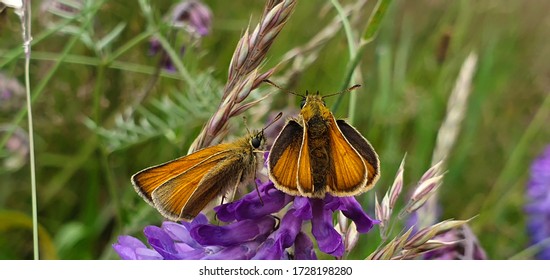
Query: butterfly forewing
[348,174]
[148,180]
[283,157]
[365,149]
[174,195]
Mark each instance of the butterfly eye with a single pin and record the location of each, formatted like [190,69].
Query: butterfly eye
[302,103]
[256,142]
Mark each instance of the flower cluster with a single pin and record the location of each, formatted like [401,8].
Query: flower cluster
[252,230]
[538,207]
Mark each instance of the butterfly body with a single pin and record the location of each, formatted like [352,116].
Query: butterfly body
[317,130]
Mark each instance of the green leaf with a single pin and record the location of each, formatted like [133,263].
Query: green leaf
[375,21]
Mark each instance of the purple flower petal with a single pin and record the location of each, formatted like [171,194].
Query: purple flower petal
[271,249]
[162,243]
[232,234]
[273,201]
[328,239]
[195,14]
[179,233]
[353,210]
[290,226]
[303,208]
[303,248]
[538,205]
[252,207]
[131,248]
[154,46]
[226,212]
[332,203]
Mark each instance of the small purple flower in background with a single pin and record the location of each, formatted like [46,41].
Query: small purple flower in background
[538,205]
[16,149]
[252,230]
[166,63]
[12,95]
[194,17]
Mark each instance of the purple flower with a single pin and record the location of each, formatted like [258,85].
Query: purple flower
[538,206]
[16,148]
[131,248]
[192,16]
[12,95]
[251,230]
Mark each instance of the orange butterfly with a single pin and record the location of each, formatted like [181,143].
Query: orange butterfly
[181,188]
[317,154]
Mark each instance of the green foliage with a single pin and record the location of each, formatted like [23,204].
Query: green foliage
[167,115]
[103,110]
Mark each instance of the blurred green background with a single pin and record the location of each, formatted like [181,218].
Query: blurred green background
[101,112]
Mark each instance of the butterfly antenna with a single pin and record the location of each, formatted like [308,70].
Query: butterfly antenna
[273,121]
[282,89]
[344,91]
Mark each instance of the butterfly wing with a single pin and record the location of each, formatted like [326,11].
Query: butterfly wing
[348,173]
[283,158]
[364,148]
[305,174]
[148,180]
[185,195]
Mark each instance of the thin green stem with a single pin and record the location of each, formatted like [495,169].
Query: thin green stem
[371,31]
[174,57]
[347,27]
[352,49]
[25,16]
[32,160]
[130,44]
